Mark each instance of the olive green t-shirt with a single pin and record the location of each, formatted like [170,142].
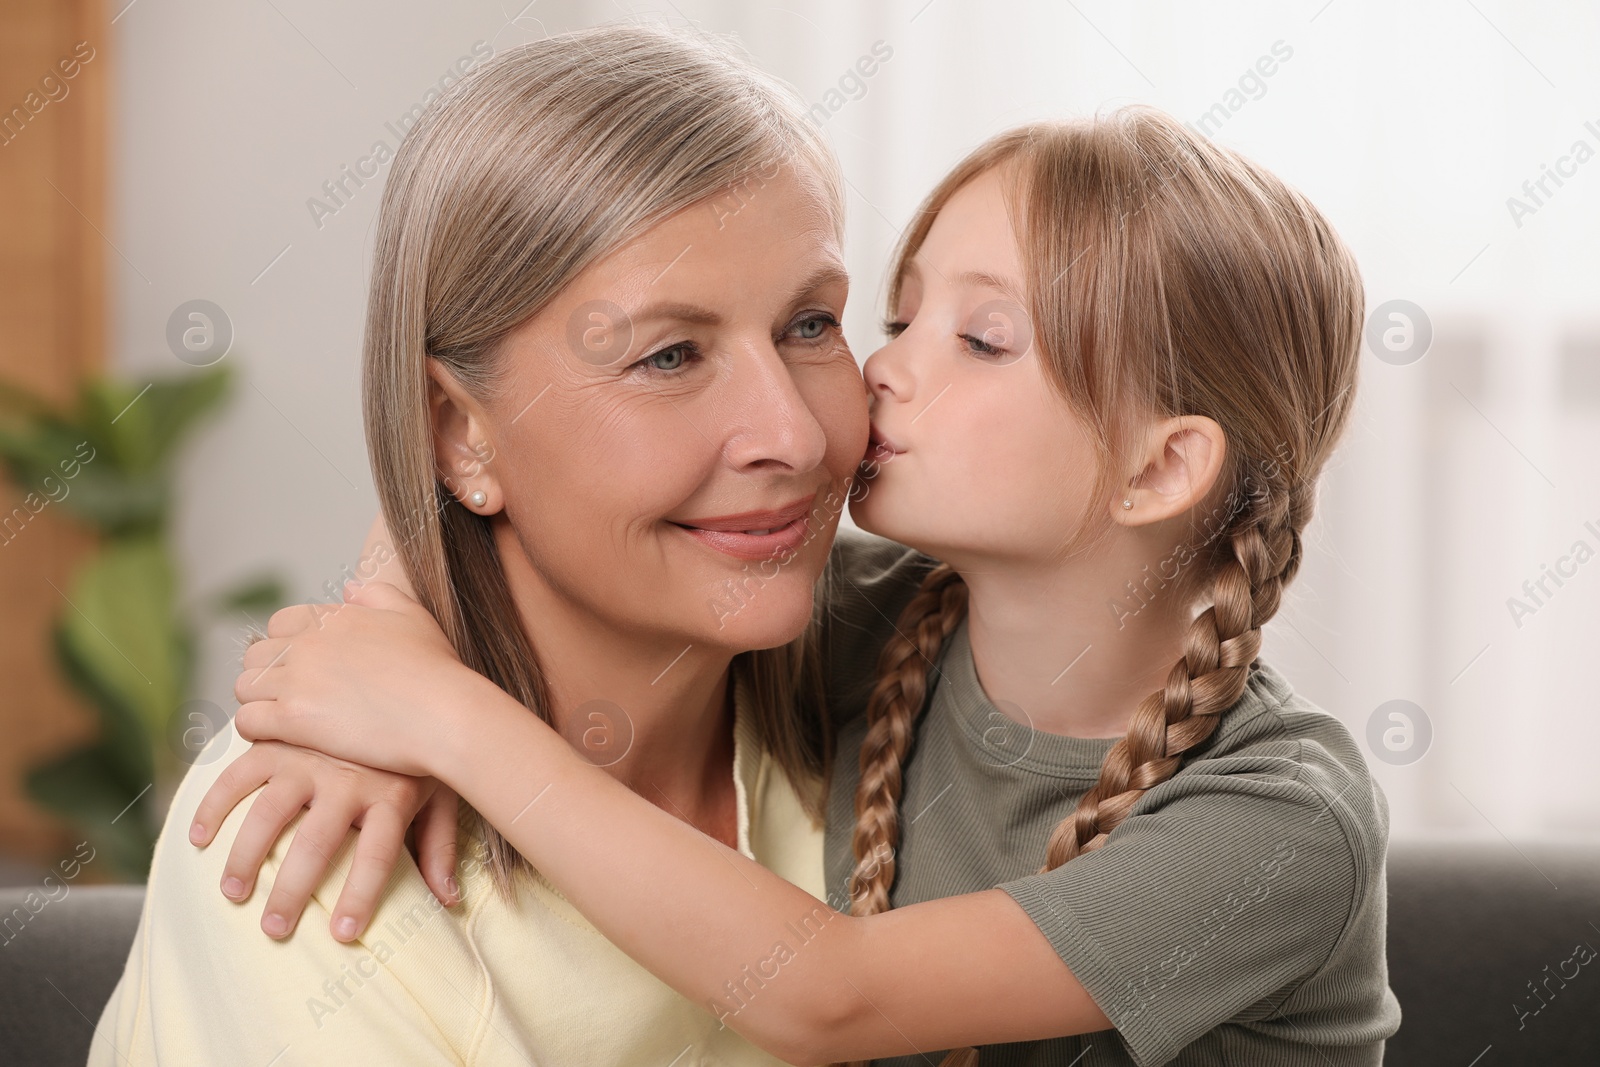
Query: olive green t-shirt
[1236,916]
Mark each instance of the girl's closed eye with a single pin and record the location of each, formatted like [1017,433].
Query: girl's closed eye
[981,347]
[998,331]
[977,345]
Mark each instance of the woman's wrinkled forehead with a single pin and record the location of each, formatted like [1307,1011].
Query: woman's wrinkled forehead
[733,264]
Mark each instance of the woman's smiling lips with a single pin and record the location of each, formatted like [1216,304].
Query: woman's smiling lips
[754,535]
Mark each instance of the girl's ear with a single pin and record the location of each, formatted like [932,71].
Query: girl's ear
[462,449]
[1183,458]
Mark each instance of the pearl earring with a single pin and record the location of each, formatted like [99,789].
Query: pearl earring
[1127,505]
[478,498]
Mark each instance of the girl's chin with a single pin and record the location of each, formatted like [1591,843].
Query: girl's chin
[915,528]
[873,511]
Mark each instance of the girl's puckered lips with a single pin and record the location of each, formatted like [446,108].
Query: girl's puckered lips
[878,445]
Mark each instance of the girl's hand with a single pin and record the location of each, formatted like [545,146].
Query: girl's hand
[368,680]
[340,795]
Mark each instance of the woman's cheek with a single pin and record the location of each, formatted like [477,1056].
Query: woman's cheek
[837,398]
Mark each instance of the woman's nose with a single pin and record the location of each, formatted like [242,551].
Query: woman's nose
[776,426]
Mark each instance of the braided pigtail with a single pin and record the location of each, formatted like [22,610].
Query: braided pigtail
[1220,649]
[892,711]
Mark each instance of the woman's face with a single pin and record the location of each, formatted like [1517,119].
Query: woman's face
[975,456]
[675,440]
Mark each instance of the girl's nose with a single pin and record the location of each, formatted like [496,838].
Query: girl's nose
[887,372]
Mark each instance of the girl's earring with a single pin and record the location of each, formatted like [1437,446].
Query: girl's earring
[1127,505]
[478,498]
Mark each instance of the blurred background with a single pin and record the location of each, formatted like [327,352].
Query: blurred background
[188,217]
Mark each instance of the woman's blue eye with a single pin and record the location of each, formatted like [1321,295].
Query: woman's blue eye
[668,359]
[815,327]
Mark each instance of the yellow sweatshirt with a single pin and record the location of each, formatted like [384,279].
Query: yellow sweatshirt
[481,984]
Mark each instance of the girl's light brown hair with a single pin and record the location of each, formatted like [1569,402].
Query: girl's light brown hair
[1166,276]
[540,162]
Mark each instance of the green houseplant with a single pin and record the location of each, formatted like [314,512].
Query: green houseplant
[123,637]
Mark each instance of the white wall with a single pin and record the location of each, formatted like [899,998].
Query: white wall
[1409,124]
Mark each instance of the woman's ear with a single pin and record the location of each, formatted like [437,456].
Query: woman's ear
[1182,460]
[462,449]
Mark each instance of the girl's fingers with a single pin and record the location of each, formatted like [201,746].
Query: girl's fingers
[265,651]
[238,780]
[320,834]
[383,835]
[251,718]
[261,676]
[259,683]
[286,622]
[436,844]
[278,803]
[264,719]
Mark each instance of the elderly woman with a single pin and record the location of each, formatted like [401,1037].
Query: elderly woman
[610,263]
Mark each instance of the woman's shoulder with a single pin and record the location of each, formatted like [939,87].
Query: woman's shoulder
[204,977]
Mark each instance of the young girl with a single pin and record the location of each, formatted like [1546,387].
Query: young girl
[1120,356]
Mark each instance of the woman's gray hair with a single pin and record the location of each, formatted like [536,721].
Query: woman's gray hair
[537,164]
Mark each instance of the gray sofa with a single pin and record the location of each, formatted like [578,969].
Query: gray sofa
[1482,942]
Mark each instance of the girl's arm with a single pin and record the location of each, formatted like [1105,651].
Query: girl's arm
[781,967]
[804,981]
[341,795]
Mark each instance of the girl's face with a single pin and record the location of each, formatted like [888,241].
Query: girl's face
[975,455]
[676,437]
